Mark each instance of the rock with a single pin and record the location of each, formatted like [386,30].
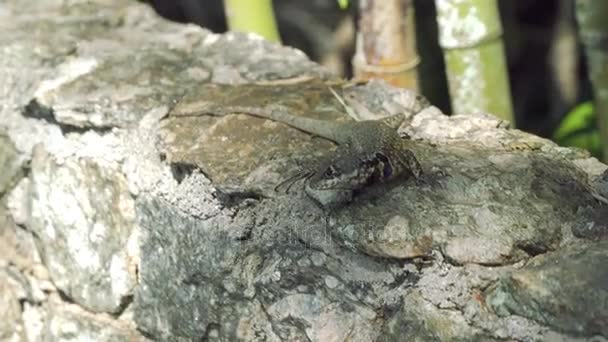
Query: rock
[70,322]
[139,220]
[470,207]
[591,224]
[18,202]
[11,324]
[251,169]
[278,279]
[418,320]
[20,278]
[565,289]
[83,215]
[600,182]
[10,165]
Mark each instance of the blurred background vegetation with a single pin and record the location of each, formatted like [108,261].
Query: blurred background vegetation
[539,44]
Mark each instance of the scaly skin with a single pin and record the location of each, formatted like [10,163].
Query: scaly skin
[374,153]
[369,152]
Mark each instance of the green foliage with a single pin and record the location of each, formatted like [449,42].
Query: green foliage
[343,4]
[579,129]
[252,16]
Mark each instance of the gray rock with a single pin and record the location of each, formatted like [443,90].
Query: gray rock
[83,216]
[591,223]
[278,278]
[19,279]
[565,289]
[18,202]
[11,323]
[134,222]
[476,206]
[417,320]
[10,165]
[71,323]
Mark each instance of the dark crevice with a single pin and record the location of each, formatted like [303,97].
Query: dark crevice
[65,298]
[234,197]
[390,309]
[210,327]
[66,129]
[196,278]
[124,304]
[269,317]
[456,263]
[452,262]
[533,249]
[247,235]
[37,111]
[231,197]
[182,170]
[404,277]
[22,302]
[147,334]
[300,324]
[309,245]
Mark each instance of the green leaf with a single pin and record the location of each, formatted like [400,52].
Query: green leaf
[578,128]
[343,4]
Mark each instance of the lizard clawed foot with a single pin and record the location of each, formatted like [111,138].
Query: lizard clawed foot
[289,182]
[411,163]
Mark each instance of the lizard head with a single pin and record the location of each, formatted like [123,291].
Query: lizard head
[340,177]
[353,173]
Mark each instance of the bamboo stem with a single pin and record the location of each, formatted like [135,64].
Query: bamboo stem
[386,43]
[470,35]
[593,30]
[252,16]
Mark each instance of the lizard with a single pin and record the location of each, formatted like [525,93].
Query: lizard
[368,152]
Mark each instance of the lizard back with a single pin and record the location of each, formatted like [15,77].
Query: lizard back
[374,154]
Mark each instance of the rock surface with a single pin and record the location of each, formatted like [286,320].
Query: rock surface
[566,290]
[121,221]
[11,165]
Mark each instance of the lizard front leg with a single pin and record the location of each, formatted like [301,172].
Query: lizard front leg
[410,163]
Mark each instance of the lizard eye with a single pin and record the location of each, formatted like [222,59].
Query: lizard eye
[381,157]
[387,168]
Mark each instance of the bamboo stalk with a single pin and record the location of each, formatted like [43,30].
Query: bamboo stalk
[470,35]
[593,30]
[386,45]
[252,16]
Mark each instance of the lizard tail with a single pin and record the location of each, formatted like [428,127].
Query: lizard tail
[331,131]
[325,129]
